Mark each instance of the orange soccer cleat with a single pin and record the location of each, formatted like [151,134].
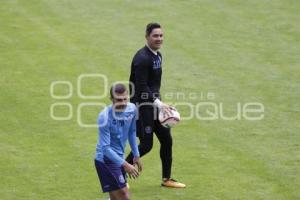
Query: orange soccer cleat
[172,183]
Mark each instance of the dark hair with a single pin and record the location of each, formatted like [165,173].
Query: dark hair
[118,88]
[151,26]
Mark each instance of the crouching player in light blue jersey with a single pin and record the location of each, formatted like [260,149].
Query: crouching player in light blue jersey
[117,124]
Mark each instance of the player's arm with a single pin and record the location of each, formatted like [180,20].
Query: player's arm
[141,77]
[104,134]
[133,144]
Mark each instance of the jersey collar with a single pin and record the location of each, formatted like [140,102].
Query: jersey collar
[153,51]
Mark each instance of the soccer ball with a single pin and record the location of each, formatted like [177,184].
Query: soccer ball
[169,117]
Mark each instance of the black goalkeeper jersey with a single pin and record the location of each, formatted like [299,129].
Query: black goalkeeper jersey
[145,76]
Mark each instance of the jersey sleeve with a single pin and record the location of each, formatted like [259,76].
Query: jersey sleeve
[141,77]
[132,135]
[104,134]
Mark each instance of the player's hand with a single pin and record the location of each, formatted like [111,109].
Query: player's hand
[160,105]
[165,107]
[130,170]
[137,161]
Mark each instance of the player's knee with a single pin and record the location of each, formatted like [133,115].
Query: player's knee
[146,147]
[127,197]
[170,143]
[167,142]
[124,196]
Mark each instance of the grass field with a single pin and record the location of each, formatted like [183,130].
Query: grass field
[240,51]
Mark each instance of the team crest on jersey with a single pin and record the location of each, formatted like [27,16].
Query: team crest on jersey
[129,117]
[156,63]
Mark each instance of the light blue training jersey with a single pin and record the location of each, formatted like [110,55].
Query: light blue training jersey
[114,129]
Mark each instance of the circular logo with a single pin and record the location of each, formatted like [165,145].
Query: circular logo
[148,129]
[121,179]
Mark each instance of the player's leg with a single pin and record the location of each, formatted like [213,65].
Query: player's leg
[166,142]
[144,131]
[121,194]
[112,178]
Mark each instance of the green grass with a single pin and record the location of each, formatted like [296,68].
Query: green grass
[241,51]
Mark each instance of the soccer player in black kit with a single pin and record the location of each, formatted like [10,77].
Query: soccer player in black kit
[145,79]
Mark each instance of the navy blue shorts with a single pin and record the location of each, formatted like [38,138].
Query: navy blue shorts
[111,176]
